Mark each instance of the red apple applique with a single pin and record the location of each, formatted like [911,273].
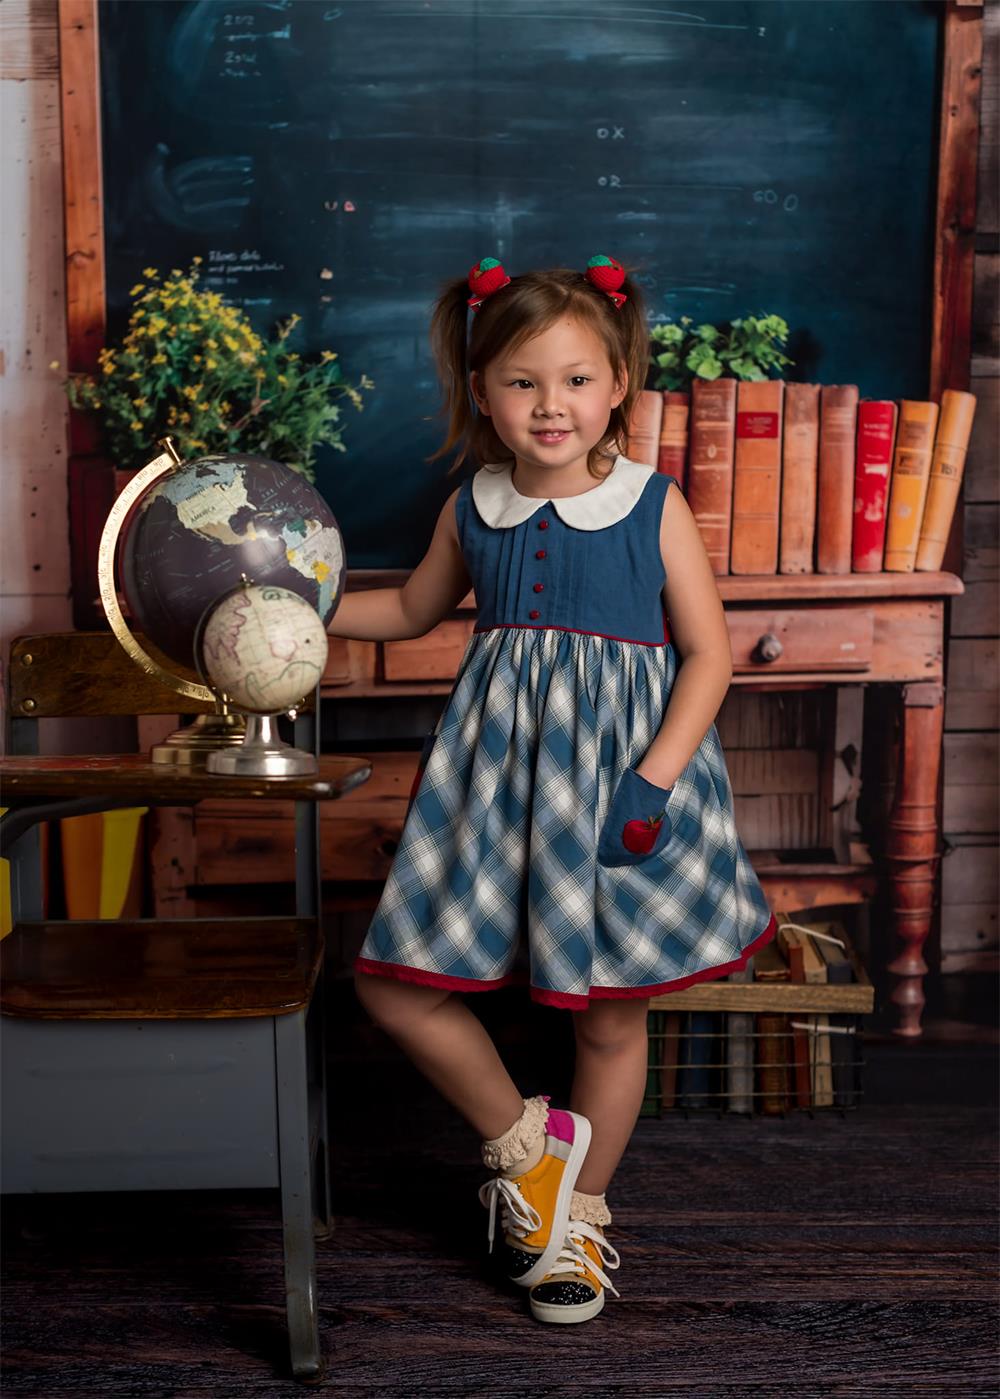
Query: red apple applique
[640,836]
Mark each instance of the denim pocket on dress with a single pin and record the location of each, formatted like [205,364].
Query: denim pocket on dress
[630,833]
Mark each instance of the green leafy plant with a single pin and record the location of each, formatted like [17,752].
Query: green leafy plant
[742,349]
[191,365]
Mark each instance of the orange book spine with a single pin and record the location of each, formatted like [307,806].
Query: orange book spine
[947,467]
[674,435]
[835,477]
[757,476]
[710,466]
[910,473]
[800,460]
[644,428]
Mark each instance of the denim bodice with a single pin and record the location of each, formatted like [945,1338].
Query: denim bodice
[587,563]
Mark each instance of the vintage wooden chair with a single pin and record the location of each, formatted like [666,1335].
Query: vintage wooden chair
[151,1054]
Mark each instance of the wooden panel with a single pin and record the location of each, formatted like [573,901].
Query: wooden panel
[816,639]
[982,531]
[977,612]
[970,784]
[29,46]
[981,479]
[435,656]
[971,699]
[969,928]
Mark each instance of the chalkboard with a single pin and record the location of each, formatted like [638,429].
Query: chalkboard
[342,160]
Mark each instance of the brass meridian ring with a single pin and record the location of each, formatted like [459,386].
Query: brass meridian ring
[158,467]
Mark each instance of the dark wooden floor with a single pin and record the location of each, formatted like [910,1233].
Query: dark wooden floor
[799,1256]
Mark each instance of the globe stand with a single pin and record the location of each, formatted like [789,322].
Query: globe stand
[188,747]
[262,754]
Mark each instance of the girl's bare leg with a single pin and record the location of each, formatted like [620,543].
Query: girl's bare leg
[450,1047]
[609,1082]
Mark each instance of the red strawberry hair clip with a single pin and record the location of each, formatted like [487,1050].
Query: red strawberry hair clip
[488,276]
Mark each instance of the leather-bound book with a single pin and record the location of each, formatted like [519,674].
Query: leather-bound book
[908,488]
[954,429]
[876,439]
[757,477]
[838,416]
[644,427]
[674,435]
[710,465]
[800,459]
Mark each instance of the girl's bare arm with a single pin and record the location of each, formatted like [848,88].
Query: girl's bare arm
[431,593]
[700,633]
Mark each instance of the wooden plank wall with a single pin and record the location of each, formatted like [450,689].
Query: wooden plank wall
[969,932]
[34,520]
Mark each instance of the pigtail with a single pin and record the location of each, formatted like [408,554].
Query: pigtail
[448,332]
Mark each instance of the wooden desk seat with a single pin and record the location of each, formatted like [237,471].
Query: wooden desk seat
[159,969]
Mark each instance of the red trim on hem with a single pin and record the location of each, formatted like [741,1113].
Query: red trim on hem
[564,1000]
[421,978]
[580,631]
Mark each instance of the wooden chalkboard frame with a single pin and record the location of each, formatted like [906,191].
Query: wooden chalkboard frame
[91,476]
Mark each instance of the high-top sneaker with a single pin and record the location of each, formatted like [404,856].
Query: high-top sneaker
[574,1287]
[535,1206]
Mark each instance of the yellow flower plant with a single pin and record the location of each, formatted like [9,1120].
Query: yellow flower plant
[192,365]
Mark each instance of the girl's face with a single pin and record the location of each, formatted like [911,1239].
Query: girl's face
[551,399]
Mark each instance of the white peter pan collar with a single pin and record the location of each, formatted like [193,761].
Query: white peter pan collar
[501,506]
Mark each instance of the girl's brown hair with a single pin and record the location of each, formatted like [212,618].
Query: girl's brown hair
[528,305]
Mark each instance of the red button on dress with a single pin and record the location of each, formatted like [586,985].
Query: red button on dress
[543,524]
[539,553]
[539,587]
[533,613]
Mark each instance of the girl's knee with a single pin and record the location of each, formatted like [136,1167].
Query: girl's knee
[392,1004]
[612,1025]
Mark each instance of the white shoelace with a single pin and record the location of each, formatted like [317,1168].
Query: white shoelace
[572,1258]
[517,1217]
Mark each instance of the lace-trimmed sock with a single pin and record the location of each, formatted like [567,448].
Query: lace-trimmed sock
[593,1209]
[521,1147]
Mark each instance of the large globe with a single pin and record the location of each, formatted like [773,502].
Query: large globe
[198,530]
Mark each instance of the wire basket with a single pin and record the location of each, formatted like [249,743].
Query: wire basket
[781,1035]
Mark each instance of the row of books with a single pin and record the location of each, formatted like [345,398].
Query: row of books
[803,478]
[756,1061]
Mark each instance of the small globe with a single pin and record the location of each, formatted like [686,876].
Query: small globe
[265,647]
[210,522]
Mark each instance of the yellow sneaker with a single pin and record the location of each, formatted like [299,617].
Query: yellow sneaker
[574,1287]
[534,1207]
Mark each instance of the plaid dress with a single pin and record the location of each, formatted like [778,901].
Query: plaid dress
[563,685]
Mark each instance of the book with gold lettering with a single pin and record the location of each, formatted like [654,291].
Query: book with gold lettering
[799,464]
[757,476]
[835,492]
[908,489]
[876,439]
[710,465]
[947,466]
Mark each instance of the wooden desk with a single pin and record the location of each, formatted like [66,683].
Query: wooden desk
[802,632]
[221,1023]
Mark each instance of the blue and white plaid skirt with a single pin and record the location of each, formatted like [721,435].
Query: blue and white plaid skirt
[496,880]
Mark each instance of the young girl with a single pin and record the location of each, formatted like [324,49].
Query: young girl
[573,792]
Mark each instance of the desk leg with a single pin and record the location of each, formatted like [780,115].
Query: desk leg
[295,1165]
[912,847]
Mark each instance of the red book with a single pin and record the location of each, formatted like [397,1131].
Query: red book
[872,470]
